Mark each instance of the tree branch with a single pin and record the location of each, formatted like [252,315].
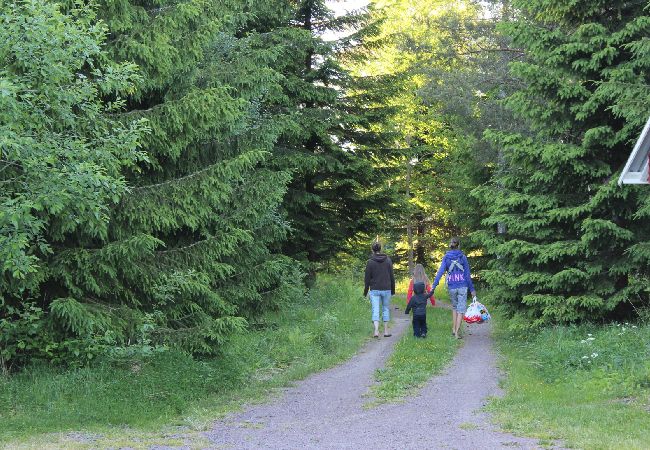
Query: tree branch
[493,50]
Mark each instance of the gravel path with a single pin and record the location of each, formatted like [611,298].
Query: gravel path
[326,410]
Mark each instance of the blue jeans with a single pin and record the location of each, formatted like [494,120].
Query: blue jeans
[380,298]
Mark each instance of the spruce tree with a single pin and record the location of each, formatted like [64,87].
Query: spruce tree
[195,234]
[334,194]
[574,239]
[185,257]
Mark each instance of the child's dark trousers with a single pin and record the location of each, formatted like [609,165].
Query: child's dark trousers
[419,325]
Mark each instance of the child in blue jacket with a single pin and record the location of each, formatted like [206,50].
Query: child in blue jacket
[459,281]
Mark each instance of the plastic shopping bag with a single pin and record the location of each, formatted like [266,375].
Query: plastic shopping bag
[473,313]
[485,315]
[476,312]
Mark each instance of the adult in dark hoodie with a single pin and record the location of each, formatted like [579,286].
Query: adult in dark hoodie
[418,304]
[380,285]
[459,280]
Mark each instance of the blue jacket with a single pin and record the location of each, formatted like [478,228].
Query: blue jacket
[457,279]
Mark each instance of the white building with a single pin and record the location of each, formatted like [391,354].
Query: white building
[637,168]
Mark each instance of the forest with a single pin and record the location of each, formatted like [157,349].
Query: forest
[156,154]
[174,171]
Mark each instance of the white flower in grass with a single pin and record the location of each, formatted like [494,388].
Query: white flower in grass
[583,341]
[588,334]
[594,355]
[591,339]
[585,357]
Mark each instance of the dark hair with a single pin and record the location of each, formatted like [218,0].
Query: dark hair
[376,247]
[454,242]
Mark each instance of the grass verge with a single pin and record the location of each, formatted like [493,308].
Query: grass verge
[121,403]
[415,360]
[587,386]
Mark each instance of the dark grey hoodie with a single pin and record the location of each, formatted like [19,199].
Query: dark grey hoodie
[379,274]
[418,301]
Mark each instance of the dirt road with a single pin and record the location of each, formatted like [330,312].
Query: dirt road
[326,411]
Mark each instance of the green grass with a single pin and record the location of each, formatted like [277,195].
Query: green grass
[173,389]
[414,360]
[587,386]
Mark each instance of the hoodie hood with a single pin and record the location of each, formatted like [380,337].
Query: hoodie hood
[379,257]
[418,288]
[454,254]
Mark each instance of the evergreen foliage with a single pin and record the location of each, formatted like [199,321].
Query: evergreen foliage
[335,193]
[190,247]
[165,165]
[183,256]
[62,155]
[448,62]
[574,246]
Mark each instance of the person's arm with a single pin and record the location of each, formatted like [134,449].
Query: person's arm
[408,308]
[409,293]
[441,270]
[392,279]
[367,279]
[433,299]
[430,296]
[468,276]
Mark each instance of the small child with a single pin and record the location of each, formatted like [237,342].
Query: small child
[419,275]
[418,304]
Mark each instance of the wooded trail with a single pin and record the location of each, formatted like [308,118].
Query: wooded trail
[328,410]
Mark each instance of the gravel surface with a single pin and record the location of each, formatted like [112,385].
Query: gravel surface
[326,410]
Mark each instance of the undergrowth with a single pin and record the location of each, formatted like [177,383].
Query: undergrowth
[587,386]
[172,388]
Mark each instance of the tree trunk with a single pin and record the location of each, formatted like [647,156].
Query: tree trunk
[409,217]
[420,250]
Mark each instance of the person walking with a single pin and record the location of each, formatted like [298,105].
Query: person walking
[419,276]
[380,286]
[459,280]
[418,304]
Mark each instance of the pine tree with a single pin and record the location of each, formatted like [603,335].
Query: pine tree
[186,256]
[334,195]
[574,239]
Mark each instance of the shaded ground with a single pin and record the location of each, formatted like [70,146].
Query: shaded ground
[326,411]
